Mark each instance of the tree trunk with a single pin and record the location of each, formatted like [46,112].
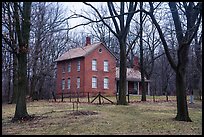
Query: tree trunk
[182,108]
[123,69]
[15,79]
[21,109]
[184,41]
[198,53]
[23,33]
[9,78]
[141,59]
[41,91]
[33,85]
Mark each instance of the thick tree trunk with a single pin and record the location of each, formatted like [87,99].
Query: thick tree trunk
[182,108]
[122,80]
[21,109]
[23,33]
[184,41]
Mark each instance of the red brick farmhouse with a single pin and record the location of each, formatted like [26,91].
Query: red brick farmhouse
[92,69]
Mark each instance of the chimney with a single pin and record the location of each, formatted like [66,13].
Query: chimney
[136,63]
[88,41]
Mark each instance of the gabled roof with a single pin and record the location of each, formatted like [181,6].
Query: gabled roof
[81,52]
[132,74]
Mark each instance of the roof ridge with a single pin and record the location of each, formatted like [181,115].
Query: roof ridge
[83,51]
[83,47]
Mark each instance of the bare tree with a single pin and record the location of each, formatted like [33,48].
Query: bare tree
[141,56]
[198,53]
[98,30]
[192,13]
[9,38]
[121,30]
[48,41]
[22,27]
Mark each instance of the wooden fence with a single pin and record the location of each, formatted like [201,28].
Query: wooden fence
[88,95]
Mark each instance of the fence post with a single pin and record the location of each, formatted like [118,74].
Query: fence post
[73,106]
[53,94]
[70,99]
[128,97]
[77,105]
[99,98]
[62,95]
[88,98]
[77,96]
[116,96]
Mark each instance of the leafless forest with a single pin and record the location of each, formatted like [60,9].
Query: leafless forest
[166,36]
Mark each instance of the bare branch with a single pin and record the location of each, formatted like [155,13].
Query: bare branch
[177,22]
[150,13]
[110,7]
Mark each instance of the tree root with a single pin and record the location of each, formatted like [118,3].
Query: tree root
[24,118]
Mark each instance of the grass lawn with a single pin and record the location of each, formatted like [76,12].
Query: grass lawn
[137,118]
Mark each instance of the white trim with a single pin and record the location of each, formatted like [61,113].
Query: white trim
[78,65]
[94,64]
[106,82]
[94,82]
[78,82]
[105,66]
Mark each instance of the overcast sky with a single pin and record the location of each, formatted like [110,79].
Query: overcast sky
[78,7]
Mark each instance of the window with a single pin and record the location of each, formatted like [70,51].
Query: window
[63,68]
[105,63]
[69,67]
[68,83]
[94,64]
[78,66]
[105,83]
[63,84]
[100,50]
[94,82]
[78,82]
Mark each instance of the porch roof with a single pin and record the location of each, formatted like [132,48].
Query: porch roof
[132,74]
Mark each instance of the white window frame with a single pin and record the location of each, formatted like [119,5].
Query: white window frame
[68,83]
[94,65]
[106,66]
[63,84]
[69,67]
[106,83]
[78,82]
[78,65]
[94,82]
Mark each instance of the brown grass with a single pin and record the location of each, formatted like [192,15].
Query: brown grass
[146,118]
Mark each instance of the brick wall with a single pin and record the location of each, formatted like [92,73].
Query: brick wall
[72,75]
[100,74]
